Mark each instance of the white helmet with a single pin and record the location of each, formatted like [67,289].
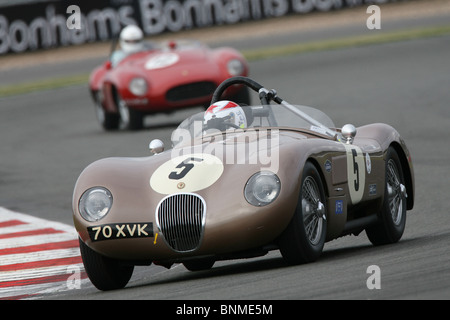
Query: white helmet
[225,114]
[131,39]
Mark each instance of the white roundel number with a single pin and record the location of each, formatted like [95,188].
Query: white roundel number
[188,173]
[356,172]
[162,60]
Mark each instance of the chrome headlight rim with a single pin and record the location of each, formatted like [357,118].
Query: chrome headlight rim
[235,67]
[95,203]
[262,188]
[138,86]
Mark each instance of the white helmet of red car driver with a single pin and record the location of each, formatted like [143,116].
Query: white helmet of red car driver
[131,39]
[230,111]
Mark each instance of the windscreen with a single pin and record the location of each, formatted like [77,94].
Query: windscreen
[293,116]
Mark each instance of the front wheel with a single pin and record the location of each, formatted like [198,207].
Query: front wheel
[304,238]
[392,217]
[130,119]
[199,265]
[105,273]
[108,120]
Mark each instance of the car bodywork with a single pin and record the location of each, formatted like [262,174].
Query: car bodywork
[191,204]
[163,78]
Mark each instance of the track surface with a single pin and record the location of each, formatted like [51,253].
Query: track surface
[47,138]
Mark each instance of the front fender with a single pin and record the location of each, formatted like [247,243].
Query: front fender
[96,78]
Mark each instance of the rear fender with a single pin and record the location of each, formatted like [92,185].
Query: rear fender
[387,136]
[408,171]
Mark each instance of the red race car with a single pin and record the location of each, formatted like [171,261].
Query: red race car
[146,78]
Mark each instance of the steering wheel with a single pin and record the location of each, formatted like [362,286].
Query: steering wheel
[231,81]
[265,96]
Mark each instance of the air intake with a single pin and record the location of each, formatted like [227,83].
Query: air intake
[191,91]
[180,218]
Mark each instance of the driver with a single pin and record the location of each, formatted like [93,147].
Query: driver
[223,115]
[131,41]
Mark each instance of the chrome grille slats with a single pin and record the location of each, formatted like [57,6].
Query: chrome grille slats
[180,218]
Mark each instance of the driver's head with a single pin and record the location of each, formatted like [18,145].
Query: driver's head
[131,39]
[225,114]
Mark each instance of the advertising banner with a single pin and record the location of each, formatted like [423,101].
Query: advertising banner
[32,25]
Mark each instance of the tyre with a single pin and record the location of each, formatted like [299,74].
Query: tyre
[105,273]
[304,238]
[130,119]
[108,120]
[199,265]
[392,216]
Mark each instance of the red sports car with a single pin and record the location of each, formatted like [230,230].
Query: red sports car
[163,78]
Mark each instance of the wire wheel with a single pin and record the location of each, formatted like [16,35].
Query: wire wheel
[313,210]
[395,192]
[392,215]
[129,119]
[108,120]
[304,237]
[124,112]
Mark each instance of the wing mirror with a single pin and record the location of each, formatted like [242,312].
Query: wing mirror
[348,133]
[156,146]
[108,65]
[172,45]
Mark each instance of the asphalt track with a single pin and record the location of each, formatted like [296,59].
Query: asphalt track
[48,137]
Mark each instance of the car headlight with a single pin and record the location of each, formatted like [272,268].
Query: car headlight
[262,188]
[138,86]
[95,203]
[235,67]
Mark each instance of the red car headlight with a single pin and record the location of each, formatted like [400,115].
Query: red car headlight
[235,67]
[138,86]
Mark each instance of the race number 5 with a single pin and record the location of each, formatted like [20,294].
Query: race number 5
[187,173]
[186,165]
[356,174]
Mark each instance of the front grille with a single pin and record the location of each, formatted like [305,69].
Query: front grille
[191,91]
[180,218]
